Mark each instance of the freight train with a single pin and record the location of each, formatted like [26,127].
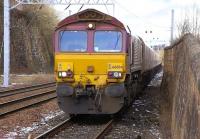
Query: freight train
[99,65]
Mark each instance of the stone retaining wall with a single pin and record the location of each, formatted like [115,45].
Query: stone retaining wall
[181,85]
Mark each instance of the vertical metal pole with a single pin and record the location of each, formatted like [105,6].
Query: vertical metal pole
[70,12]
[113,9]
[172,25]
[6,43]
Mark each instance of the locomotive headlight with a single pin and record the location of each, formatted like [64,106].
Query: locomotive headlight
[64,74]
[114,74]
[117,74]
[91,26]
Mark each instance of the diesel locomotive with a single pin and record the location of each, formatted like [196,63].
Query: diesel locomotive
[99,65]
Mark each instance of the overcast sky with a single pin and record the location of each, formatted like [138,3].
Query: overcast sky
[144,15]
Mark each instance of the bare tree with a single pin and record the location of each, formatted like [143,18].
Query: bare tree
[191,22]
[184,27]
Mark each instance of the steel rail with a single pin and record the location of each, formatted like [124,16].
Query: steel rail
[58,128]
[105,130]
[10,92]
[18,104]
[55,129]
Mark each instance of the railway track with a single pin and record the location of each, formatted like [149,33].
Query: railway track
[67,123]
[52,132]
[10,92]
[107,128]
[24,97]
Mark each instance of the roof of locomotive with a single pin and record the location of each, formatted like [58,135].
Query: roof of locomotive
[90,15]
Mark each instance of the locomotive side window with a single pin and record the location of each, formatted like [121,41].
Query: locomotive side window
[107,41]
[73,41]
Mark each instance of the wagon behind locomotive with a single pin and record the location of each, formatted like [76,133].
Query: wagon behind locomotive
[143,61]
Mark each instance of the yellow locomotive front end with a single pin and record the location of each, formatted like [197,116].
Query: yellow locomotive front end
[90,66]
[90,69]
[90,83]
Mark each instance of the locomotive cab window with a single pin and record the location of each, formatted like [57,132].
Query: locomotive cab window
[73,41]
[107,41]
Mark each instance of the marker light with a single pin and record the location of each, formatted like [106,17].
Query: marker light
[59,74]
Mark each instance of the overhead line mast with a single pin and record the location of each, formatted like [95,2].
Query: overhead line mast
[7,8]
